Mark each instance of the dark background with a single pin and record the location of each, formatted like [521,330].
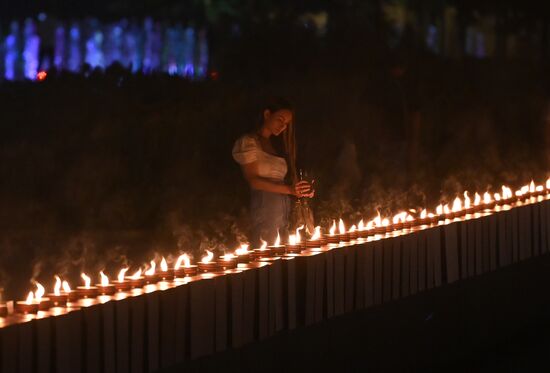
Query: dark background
[116,168]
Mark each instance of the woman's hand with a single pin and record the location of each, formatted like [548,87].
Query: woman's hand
[302,189]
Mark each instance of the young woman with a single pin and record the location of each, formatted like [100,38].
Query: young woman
[267,158]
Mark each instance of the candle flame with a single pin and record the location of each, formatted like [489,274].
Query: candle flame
[439,209]
[457,205]
[369,225]
[136,275]
[151,270]
[40,291]
[385,222]
[104,279]
[399,217]
[353,228]
[423,214]
[539,188]
[506,192]
[477,199]
[86,279]
[278,239]
[208,257]
[525,189]
[57,286]
[446,209]
[298,237]
[292,239]
[487,198]
[30,298]
[316,233]
[66,287]
[121,274]
[361,225]
[332,229]
[377,220]
[466,200]
[409,218]
[163,265]
[228,257]
[497,196]
[243,250]
[183,258]
[341,226]
[548,183]
[532,187]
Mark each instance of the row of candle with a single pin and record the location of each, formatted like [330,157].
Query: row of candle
[460,207]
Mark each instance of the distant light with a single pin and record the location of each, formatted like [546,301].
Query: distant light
[41,76]
[42,17]
[214,75]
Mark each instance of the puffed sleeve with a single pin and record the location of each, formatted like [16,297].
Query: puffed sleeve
[245,150]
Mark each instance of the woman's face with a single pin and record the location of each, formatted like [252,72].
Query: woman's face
[276,122]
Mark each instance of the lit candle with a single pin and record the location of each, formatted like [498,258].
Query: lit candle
[207,264]
[315,239]
[136,280]
[228,261]
[121,283]
[265,251]
[293,247]
[58,298]
[87,291]
[27,306]
[150,274]
[164,274]
[276,248]
[104,287]
[343,234]
[184,268]
[43,302]
[243,254]
[353,232]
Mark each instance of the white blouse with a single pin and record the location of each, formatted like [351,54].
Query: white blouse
[247,149]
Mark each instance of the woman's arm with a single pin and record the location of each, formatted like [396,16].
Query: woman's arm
[250,171]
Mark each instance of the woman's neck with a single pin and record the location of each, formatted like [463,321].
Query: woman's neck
[265,133]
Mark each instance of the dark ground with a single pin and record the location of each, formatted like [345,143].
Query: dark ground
[495,322]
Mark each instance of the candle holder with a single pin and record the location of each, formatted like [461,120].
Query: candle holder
[73,295]
[190,270]
[122,286]
[152,279]
[26,308]
[109,289]
[277,250]
[353,235]
[344,237]
[136,282]
[3,310]
[244,258]
[408,224]
[294,249]
[261,253]
[363,233]
[44,304]
[208,267]
[379,229]
[228,263]
[58,300]
[166,275]
[87,292]
[310,244]
[333,239]
[398,226]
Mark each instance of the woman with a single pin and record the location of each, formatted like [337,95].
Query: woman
[267,157]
